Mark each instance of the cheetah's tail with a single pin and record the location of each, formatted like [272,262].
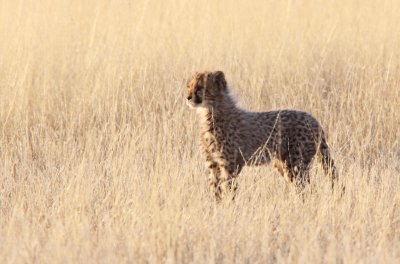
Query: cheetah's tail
[327,161]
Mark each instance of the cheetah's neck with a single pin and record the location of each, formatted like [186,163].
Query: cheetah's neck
[220,115]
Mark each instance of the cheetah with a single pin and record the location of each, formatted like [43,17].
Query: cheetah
[231,137]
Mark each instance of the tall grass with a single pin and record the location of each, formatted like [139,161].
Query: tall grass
[98,153]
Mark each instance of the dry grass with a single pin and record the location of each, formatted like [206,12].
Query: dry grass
[98,154]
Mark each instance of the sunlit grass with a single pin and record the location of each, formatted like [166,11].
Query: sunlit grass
[99,159]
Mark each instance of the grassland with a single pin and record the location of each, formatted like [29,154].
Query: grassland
[98,152]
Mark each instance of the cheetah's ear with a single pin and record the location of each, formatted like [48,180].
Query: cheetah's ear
[195,75]
[218,78]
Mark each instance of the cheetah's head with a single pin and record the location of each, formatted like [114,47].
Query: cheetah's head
[204,89]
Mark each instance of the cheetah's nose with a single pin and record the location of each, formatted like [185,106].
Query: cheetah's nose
[189,97]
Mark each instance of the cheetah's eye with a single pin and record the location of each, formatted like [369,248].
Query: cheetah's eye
[198,91]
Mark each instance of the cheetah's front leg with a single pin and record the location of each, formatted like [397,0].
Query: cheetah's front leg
[213,178]
[227,184]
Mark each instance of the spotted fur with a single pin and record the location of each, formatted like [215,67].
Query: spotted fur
[232,137]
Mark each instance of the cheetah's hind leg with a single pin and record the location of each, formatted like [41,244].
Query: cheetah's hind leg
[283,170]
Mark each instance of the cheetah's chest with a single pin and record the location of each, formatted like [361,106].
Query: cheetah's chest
[218,146]
[210,142]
